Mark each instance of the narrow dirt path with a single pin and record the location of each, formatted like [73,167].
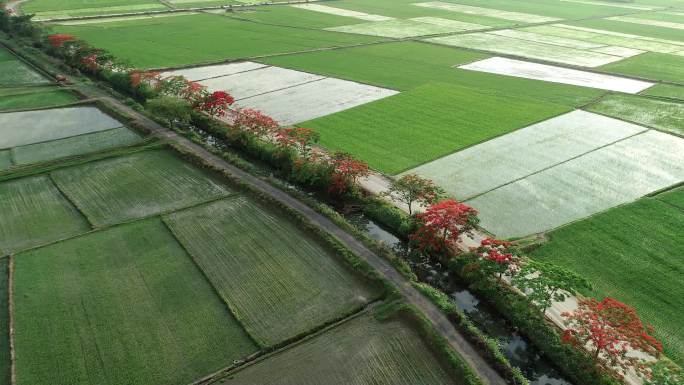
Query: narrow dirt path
[455,339]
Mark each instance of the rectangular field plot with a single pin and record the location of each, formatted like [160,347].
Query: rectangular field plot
[656,23]
[663,115]
[341,12]
[62,5]
[490,12]
[315,99]
[277,280]
[16,73]
[484,167]
[399,29]
[173,41]
[674,197]
[34,212]
[29,127]
[530,49]
[27,98]
[546,39]
[609,38]
[121,306]
[366,351]
[214,71]
[632,253]
[418,126]
[529,70]
[259,81]
[668,91]
[651,65]
[597,181]
[96,11]
[134,186]
[75,145]
[5,159]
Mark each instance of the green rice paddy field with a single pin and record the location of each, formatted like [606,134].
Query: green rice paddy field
[29,98]
[632,253]
[121,306]
[35,212]
[651,65]
[366,351]
[668,91]
[59,5]
[655,113]
[192,39]
[135,186]
[278,281]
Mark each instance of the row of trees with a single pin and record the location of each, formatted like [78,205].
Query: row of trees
[609,329]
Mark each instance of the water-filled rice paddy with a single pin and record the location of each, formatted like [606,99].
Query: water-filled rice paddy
[134,186]
[602,179]
[75,145]
[529,70]
[277,280]
[120,306]
[366,350]
[485,167]
[29,127]
[530,49]
[321,98]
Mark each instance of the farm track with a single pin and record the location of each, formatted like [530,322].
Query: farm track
[455,339]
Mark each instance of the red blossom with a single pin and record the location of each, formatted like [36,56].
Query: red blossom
[58,40]
[346,173]
[611,328]
[254,122]
[216,104]
[90,61]
[441,225]
[138,78]
[297,137]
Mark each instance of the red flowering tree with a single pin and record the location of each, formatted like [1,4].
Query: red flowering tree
[411,188]
[91,61]
[298,138]
[611,329]
[145,77]
[254,122]
[58,40]
[442,224]
[497,257]
[346,172]
[216,104]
